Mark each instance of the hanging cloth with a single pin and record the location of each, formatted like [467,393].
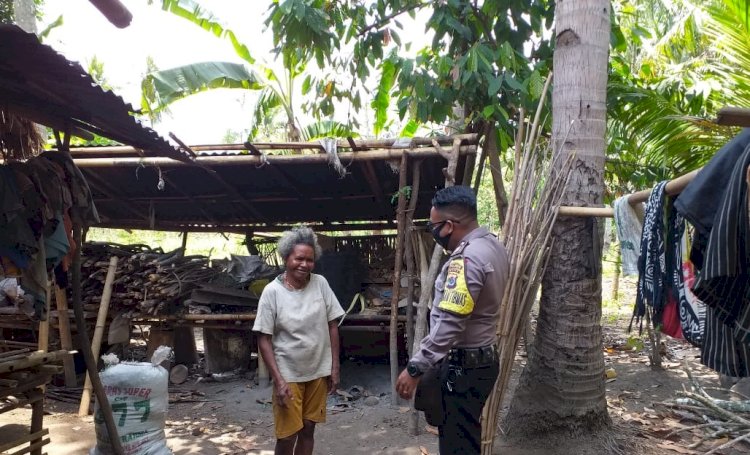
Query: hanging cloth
[692,310]
[724,281]
[652,261]
[629,230]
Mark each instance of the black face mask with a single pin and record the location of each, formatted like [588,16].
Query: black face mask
[441,240]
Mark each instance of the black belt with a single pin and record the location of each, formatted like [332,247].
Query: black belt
[473,357]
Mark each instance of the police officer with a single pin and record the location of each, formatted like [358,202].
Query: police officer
[462,336]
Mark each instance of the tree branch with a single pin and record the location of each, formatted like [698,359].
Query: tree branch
[484,23]
[385,19]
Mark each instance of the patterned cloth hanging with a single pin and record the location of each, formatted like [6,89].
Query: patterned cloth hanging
[652,261]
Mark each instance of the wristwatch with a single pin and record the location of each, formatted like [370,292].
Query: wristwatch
[413,370]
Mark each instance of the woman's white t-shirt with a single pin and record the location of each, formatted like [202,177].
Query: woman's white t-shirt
[298,324]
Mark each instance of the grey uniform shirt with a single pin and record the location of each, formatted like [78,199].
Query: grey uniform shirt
[468,293]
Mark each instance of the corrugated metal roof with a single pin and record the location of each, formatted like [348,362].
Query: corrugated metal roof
[240,195]
[44,86]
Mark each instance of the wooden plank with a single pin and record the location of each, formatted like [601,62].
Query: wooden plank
[13,353]
[24,439]
[96,343]
[34,448]
[31,360]
[66,340]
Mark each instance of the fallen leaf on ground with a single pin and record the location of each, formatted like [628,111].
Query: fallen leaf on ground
[403,410]
[431,429]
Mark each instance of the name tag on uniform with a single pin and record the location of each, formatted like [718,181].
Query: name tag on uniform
[456,296]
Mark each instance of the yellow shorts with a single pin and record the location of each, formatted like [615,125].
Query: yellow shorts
[308,402]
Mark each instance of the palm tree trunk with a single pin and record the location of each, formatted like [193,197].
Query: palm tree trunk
[562,386]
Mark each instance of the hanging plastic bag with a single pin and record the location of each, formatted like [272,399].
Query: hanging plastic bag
[137,393]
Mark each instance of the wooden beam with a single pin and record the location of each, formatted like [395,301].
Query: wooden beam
[371,155]
[398,266]
[255,147]
[242,228]
[733,116]
[226,199]
[672,188]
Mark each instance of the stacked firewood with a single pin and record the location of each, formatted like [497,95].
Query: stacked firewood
[147,281]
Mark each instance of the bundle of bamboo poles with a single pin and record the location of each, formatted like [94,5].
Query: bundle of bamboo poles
[536,195]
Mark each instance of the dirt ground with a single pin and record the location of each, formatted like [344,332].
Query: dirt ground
[234,416]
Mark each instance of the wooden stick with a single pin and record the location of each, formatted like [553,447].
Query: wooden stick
[370,155]
[24,439]
[393,337]
[96,343]
[31,360]
[83,341]
[44,324]
[410,262]
[66,341]
[729,444]
[429,274]
[674,187]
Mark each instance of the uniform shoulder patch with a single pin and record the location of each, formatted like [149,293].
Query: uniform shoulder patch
[456,296]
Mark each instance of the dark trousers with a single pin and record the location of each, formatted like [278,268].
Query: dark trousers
[465,391]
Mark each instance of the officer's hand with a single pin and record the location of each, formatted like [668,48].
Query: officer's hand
[406,385]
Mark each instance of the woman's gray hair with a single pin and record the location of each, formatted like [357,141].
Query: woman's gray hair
[301,235]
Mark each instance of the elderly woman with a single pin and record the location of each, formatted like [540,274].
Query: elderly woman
[298,338]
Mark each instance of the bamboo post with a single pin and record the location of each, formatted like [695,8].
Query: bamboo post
[400,222]
[429,274]
[66,342]
[410,263]
[101,320]
[44,324]
[83,341]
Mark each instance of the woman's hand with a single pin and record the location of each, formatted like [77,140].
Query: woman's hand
[283,392]
[333,380]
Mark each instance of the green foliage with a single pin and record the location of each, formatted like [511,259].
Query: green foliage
[96,71]
[161,88]
[6,11]
[47,30]
[406,191]
[673,65]
[327,128]
[193,12]
[488,58]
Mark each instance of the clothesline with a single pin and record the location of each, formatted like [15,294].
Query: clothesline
[673,187]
